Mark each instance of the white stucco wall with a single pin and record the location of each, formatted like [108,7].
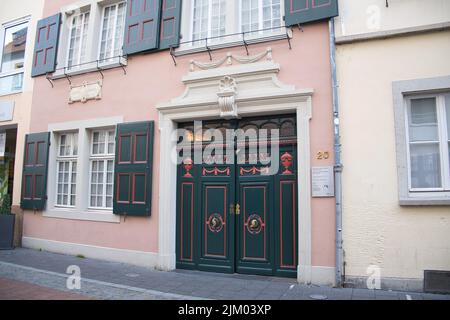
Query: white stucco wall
[367,16]
[403,241]
[9,11]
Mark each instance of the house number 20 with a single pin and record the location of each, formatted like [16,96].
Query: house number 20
[323,155]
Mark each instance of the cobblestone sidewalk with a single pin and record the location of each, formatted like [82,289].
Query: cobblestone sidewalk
[109,280]
[18,290]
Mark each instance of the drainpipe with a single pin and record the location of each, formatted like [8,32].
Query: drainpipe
[337,156]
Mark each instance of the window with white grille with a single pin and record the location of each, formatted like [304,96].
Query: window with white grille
[112,31]
[66,170]
[79,28]
[428,138]
[101,174]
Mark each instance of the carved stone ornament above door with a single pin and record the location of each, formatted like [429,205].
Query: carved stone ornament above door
[85,91]
[227,98]
[221,89]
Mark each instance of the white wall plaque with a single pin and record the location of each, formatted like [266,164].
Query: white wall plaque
[6,110]
[86,91]
[2,144]
[322,182]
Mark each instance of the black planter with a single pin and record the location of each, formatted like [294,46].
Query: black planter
[7,231]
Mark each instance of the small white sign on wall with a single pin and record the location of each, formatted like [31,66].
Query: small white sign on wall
[322,182]
[2,144]
[6,110]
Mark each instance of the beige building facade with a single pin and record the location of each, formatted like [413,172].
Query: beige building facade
[18,21]
[393,73]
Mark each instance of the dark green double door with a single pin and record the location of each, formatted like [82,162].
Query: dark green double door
[236,218]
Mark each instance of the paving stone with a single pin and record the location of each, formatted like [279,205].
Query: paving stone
[363,293]
[121,281]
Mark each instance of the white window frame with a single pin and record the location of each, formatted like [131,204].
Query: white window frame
[260,18]
[105,157]
[22,70]
[103,9]
[402,91]
[71,25]
[209,29]
[233,25]
[96,9]
[81,211]
[443,142]
[71,158]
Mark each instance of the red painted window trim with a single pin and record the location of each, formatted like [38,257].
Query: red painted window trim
[320,5]
[118,188]
[135,135]
[291,9]
[133,189]
[173,28]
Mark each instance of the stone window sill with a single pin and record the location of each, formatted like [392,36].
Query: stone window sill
[88,215]
[424,199]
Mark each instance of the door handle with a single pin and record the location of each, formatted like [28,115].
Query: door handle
[238,209]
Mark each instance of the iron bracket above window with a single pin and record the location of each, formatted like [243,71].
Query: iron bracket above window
[49,79]
[208,49]
[100,70]
[123,66]
[242,42]
[62,72]
[245,43]
[172,54]
[288,39]
[67,76]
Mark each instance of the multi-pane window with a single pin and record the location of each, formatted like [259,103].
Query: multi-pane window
[429,142]
[66,170]
[209,18]
[112,31]
[79,28]
[13,53]
[260,15]
[12,57]
[221,20]
[102,169]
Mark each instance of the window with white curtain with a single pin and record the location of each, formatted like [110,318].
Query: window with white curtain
[209,18]
[429,142]
[102,169]
[79,29]
[112,34]
[92,34]
[223,21]
[66,170]
[260,15]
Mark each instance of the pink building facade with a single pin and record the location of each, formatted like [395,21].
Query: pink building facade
[98,99]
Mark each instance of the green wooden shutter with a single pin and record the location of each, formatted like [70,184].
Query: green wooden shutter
[34,177]
[303,11]
[133,169]
[46,45]
[170,24]
[142,26]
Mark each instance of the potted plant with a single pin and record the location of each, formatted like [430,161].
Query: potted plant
[7,220]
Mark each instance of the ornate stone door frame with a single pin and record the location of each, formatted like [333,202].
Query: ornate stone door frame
[251,89]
